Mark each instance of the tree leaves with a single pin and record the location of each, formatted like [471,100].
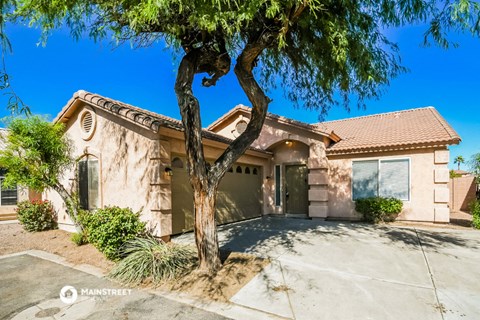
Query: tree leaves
[325,53]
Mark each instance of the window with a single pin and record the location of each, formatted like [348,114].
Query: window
[88,183]
[278,183]
[239,169]
[247,170]
[384,178]
[255,171]
[8,197]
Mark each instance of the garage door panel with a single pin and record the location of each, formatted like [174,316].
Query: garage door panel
[239,197]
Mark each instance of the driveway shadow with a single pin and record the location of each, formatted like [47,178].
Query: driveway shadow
[269,236]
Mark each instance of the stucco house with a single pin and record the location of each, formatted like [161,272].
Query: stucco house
[134,158]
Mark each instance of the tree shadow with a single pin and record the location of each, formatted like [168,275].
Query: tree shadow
[271,236]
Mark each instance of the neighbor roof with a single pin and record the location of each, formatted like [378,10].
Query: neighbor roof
[147,119]
[408,129]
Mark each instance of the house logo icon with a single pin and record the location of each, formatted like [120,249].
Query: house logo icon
[68,294]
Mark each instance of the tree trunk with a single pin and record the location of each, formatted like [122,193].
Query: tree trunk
[206,236]
[205,178]
[71,205]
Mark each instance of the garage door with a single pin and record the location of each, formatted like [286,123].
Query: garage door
[239,196]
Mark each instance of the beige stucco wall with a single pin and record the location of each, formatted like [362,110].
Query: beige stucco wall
[125,153]
[422,205]
[132,163]
[306,147]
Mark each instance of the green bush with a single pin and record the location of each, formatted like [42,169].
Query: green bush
[36,215]
[377,209]
[109,228]
[148,260]
[79,238]
[475,211]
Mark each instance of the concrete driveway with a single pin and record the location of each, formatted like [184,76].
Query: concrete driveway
[331,270]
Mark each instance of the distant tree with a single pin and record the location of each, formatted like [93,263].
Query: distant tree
[323,53]
[459,160]
[36,156]
[474,165]
[453,174]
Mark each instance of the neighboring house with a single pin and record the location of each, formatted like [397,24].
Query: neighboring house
[135,158]
[9,197]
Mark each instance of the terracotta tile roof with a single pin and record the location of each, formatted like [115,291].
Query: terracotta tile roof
[147,119]
[414,128]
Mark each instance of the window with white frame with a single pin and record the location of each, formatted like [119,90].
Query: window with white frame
[8,196]
[383,178]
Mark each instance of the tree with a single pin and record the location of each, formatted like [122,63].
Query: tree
[15,103]
[36,155]
[459,160]
[323,53]
[474,165]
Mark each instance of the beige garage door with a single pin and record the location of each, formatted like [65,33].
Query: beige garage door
[239,196]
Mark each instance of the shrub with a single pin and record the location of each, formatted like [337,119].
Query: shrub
[147,259]
[109,228]
[377,209]
[36,215]
[475,211]
[79,238]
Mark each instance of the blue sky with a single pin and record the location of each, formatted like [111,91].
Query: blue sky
[47,77]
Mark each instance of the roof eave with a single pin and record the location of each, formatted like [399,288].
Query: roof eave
[388,148]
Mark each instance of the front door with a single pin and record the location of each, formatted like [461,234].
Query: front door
[296,189]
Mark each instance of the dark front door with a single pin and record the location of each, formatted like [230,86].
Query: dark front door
[296,189]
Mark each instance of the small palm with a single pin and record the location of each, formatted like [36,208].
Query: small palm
[459,160]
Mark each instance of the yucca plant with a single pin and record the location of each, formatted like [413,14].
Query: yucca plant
[148,259]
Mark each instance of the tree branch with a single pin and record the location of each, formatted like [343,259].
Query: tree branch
[244,72]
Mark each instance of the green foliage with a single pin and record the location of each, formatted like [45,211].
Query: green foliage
[377,209]
[323,52]
[79,238]
[453,174]
[36,215]
[109,228]
[147,259]
[36,153]
[474,164]
[475,211]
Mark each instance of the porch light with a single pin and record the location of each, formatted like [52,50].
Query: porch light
[168,171]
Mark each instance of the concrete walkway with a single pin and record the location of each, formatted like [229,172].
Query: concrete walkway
[328,270]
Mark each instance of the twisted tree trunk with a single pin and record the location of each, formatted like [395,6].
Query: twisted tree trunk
[204,178]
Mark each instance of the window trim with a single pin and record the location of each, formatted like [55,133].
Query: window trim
[278,183]
[379,161]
